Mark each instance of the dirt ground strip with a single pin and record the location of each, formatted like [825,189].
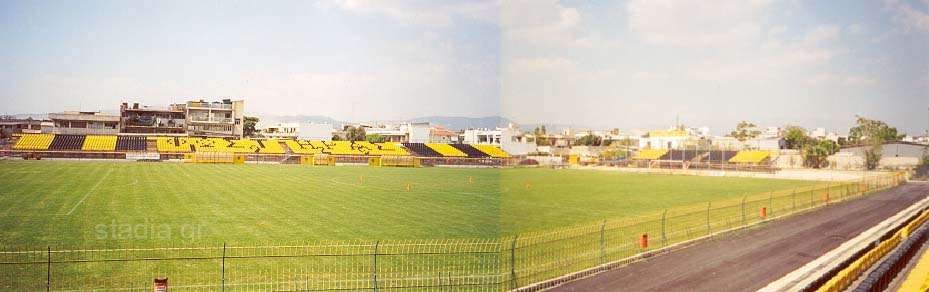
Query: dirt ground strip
[751,259]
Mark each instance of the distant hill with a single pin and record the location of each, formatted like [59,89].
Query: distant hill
[32,116]
[272,119]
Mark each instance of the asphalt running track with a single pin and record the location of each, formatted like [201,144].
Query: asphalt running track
[751,259]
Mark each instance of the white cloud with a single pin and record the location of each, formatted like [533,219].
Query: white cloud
[823,33]
[540,66]
[854,28]
[429,13]
[727,23]
[908,16]
[542,22]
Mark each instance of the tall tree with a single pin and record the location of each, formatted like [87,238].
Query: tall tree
[816,155]
[248,125]
[539,134]
[354,133]
[869,132]
[874,133]
[589,140]
[796,137]
[744,131]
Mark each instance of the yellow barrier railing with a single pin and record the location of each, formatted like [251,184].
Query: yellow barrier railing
[844,278]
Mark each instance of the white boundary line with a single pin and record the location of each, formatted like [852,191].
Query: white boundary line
[94,188]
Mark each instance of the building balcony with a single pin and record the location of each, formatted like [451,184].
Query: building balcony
[212,120]
[209,105]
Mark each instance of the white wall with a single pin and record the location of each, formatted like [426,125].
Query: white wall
[318,132]
[419,134]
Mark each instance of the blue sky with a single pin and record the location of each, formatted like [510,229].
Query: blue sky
[636,64]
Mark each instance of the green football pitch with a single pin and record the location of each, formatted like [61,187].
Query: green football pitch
[103,204]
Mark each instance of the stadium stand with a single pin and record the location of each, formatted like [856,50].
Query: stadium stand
[34,142]
[302,147]
[235,145]
[750,156]
[470,151]
[270,147]
[682,155]
[388,148]
[446,150]
[99,143]
[650,154]
[128,143]
[720,156]
[420,149]
[491,150]
[67,142]
[173,144]
[342,148]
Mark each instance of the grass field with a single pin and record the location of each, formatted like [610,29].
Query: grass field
[107,203]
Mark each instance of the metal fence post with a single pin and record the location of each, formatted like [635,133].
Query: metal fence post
[376,245]
[793,199]
[223,282]
[811,199]
[743,210]
[514,284]
[663,220]
[708,229]
[602,243]
[771,203]
[48,271]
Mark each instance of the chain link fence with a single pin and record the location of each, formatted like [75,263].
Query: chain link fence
[527,261]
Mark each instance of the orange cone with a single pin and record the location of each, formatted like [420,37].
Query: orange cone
[470,179]
[408,187]
[362,178]
[528,186]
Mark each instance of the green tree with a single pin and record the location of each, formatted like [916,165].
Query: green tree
[869,132]
[874,133]
[816,156]
[539,134]
[589,140]
[354,133]
[376,138]
[922,169]
[872,156]
[797,138]
[248,125]
[744,131]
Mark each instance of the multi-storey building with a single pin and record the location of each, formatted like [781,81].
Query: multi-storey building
[219,118]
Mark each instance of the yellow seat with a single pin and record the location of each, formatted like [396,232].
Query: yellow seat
[34,141]
[99,143]
[491,150]
[650,154]
[750,156]
[446,150]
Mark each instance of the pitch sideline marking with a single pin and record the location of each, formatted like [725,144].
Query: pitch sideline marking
[94,188]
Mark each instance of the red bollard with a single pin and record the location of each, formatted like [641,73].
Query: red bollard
[643,242]
[764,212]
